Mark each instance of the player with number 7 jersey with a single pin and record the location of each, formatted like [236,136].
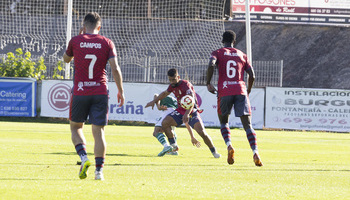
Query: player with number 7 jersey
[91,53]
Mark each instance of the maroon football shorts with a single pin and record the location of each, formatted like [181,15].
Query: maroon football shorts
[94,106]
[240,103]
[194,118]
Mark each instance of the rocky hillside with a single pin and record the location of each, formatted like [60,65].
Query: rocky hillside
[313,56]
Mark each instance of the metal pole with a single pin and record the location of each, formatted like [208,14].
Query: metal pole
[68,34]
[248,31]
[281,75]
[231,10]
[145,74]
[148,69]
[149,9]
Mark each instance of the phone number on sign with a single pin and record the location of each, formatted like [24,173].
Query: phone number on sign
[309,120]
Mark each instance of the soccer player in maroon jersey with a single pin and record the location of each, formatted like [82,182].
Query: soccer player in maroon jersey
[168,105]
[232,91]
[179,116]
[91,52]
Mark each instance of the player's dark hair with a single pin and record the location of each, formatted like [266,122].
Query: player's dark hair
[172,72]
[229,37]
[92,20]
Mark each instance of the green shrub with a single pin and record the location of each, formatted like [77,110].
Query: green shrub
[20,64]
[58,69]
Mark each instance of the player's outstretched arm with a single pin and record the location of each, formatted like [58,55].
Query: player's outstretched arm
[194,141]
[160,107]
[118,78]
[210,72]
[158,98]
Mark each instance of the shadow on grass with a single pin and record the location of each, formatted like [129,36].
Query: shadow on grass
[34,179]
[216,167]
[57,120]
[252,168]
[91,154]
[38,164]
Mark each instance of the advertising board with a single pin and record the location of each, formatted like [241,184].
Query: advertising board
[18,97]
[55,98]
[308,109]
[331,12]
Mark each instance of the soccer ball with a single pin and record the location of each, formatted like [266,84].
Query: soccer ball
[187,102]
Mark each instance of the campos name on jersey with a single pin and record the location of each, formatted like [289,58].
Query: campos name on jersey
[90,45]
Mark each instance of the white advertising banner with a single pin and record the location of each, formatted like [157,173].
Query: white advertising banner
[55,99]
[331,12]
[308,109]
[325,7]
[56,94]
[330,4]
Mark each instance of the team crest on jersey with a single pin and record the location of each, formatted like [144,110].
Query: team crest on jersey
[224,85]
[80,86]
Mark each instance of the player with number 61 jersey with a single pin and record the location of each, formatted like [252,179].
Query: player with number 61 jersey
[92,52]
[231,64]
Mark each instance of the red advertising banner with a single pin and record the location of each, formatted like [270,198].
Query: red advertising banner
[333,12]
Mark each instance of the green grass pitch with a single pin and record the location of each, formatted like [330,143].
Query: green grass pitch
[38,161]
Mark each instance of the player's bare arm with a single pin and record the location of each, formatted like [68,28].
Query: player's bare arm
[162,107]
[159,107]
[251,79]
[67,58]
[118,78]
[210,72]
[194,141]
[158,98]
